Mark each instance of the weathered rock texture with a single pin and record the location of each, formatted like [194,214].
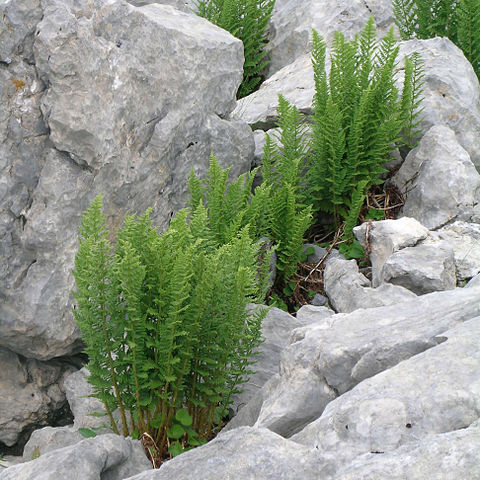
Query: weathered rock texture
[438,179]
[246,453]
[327,359]
[30,393]
[419,396]
[99,97]
[349,290]
[385,237]
[109,457]
[292,22]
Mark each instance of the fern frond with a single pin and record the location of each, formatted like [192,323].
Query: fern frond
[468,31]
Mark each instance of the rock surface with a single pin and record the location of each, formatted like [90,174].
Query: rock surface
[109,457]
[276,329]
[420,396]
[438,179]
[446,456]
[119,100]
[292,22]
[31,394]
[49,439]
[464,238]
[422,269]
[327,359]
[383,238]
[246,453]
[348,289]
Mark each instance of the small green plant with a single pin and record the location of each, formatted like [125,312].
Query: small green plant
[271,210]
[164,322]
[359,117]
[248,21]
[459,20]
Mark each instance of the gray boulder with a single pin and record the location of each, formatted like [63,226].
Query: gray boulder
[327,359]
[294,82]
[445,456]
[109,457]
[276,329]
[434,392]
[31,393]
[48,439]
[348,289]
[425,268]
[78,392]
[464,238]
[438,179]
[119,100]
[381,239]
[451,92]
[292,22]
[244,453]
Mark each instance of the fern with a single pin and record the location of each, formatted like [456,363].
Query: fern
[468,25]
[164,318]
[357,120]
[248,21]
[459,20]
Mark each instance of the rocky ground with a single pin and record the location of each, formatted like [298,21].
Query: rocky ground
[103,96]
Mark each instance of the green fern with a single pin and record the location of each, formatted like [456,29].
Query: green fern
[248,21]
[459,20]
[164,318]
[358,119]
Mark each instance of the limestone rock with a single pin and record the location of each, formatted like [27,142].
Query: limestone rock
[445,456]
[109,457]
[48,439]
[120,100]
[451,92]
[327,359]
[244,453]
[294,82]
[439,181]
[292,22]
[348,289]
[31,394]
[78,392]
[434,392]
[276,329]
[464,238]
[385,237]
[422,269]
[313,313]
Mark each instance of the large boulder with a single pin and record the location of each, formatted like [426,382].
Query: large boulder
[445,456]
[434,392]
[439,180]
[109,457]
[348,289]
[242,454]
[32,394]
[99,97]
[292,22]
[327,359]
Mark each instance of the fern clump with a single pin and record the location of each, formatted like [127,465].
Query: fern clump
[248,21]
[165,324]
[271,210]
[459,20]
[359,117]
